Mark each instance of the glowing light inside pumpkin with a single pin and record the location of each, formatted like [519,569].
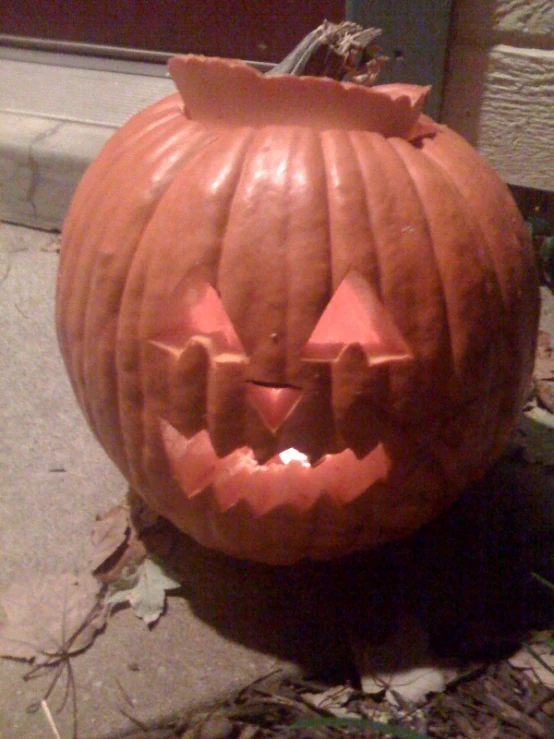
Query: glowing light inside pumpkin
[293,455]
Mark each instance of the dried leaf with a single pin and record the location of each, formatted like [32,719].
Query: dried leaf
[142,516]
[537,661]
[109,533]
[544,390]
[144,586]
[544,368]
[55,245]
[334,701]
[412,685]
[539,415]
[404,667]
[544,348]
[536,436]
[121,543]
[49,615]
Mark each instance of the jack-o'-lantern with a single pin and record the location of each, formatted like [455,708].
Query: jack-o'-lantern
[299,315]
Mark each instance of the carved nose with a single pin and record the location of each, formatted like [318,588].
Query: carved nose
[274,404]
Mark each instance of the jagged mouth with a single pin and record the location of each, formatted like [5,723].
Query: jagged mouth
[286,478]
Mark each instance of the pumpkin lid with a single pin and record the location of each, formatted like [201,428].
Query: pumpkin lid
[232,93]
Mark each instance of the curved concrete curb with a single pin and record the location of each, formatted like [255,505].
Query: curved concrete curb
[54,119]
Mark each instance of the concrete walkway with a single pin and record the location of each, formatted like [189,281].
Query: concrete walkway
[54,480]
[236,621]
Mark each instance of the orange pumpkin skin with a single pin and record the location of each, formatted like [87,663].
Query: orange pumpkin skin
[230,290]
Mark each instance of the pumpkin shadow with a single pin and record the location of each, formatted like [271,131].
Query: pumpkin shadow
[467,579]
[474,586]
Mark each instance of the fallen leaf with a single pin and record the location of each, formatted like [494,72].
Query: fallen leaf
[144,586]
[51,616]
[125,535]
[540,415]
[116,535]
[54,246]
[544,348]
[109,533]
[142,516]
[412,685]
[334,701]
[404,667]
[537,436]
[544,390]
[537,660]
[544,368]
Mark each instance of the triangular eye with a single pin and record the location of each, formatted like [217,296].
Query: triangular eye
[355,316]
[196,311]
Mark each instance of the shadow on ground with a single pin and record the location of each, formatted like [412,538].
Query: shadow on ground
[467,577]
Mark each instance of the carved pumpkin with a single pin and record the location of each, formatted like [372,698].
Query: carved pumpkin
[299,315]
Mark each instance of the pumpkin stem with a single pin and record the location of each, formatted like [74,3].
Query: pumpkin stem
[343,51]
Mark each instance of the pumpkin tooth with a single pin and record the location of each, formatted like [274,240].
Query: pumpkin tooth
[185,405]
[197,467]
[226,410]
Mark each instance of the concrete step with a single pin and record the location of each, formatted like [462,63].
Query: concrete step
[56,112]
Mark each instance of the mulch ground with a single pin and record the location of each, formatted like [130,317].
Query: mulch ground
[490,702]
